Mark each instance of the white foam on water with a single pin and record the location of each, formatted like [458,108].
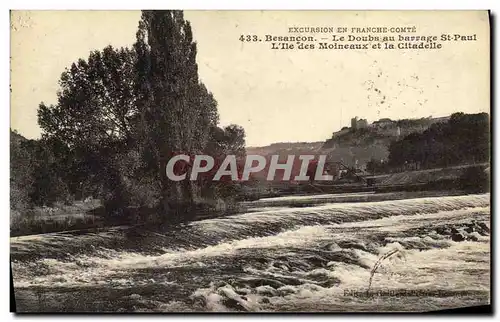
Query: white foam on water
[323,196]
[431,272]
[345,211]
[450,266]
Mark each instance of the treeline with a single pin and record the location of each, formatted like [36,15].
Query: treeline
[120,115]
[464,139]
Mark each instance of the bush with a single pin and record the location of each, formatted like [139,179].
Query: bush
[475,179]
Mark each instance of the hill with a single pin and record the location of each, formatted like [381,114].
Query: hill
[16,138]
[284,149]
[353,146]
[358,144]
[287,148]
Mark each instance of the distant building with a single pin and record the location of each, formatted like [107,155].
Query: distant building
[363,123]
[383,122]
[358,124]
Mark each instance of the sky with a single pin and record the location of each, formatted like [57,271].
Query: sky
[276,95]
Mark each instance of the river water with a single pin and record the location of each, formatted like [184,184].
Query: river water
[303,253]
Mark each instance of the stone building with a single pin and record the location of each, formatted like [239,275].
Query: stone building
[358,124]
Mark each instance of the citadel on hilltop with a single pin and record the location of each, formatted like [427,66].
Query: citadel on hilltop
[386,126]
[358,124]
[382,126]
[362,141]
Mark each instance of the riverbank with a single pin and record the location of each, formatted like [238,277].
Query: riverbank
[279,258]
[468,178]
[92,216]
[86,215]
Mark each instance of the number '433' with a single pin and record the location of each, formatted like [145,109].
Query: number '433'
[249,38]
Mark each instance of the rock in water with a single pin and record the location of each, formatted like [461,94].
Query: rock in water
[458,237]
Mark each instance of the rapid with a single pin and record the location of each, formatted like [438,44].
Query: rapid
[298,253]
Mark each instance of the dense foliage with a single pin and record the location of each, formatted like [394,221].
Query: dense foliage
[120,115]
[463,139]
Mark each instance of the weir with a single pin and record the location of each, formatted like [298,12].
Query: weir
[292,257]
[256,223]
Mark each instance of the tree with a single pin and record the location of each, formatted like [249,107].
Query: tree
[377,166]
[229,140]
[122,113]
[49,177]
[474,180]
[95,119]
[38,177]
[21,172]
[96,103]
[176,109]
[463,139]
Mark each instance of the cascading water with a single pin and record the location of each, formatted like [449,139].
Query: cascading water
[318,256]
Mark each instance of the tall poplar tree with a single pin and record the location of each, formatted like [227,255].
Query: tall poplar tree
[177,111]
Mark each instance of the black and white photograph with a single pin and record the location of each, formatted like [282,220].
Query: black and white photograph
[178,161]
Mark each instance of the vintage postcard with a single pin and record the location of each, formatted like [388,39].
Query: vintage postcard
[250,161]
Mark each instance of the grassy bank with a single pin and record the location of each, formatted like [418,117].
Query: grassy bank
[91,214]
[39,220]
[465,178]
[83,215]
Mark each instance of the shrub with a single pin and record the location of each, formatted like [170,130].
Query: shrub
[475,179]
